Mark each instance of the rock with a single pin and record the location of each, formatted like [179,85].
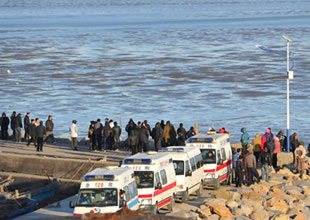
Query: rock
[210,202]
[227,195]
[284,158]
[257,206]
[236,196]
[281,217]
[242,217]
[243,190]
[299,205]
[306,211]
[252,196]
[302,184]
[277,205]
[214,217]
[259,215]
[220,210]
[244,210]
[295,194]
[185,214]
[261,189]
[232,204]
[226,218]
[282,209]
[204,212]
[300,217]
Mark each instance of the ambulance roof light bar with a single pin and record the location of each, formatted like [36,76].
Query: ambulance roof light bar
[172,149]
[137,161]
[203,140]
[107,177]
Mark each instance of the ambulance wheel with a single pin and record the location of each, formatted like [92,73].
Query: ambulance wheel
[217,184]
[172,204]
[185,197]
[155,209]
[199,191]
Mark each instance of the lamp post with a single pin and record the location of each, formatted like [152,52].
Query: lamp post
[290,75]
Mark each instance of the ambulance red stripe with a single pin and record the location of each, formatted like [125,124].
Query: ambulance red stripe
[219,167]
[161,204]
[159,191]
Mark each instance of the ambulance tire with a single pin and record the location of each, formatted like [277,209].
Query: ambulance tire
[155,209]
[185,197]
[172,204]
[199,191]
[217,185]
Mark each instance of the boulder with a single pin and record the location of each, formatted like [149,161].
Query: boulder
[226,218]
[261,189]
[204,212]
[241,217]
[295,194]
[299,205]
[259,215]
[244,210]
[210,202]
[300,217]
[281,217]
[252,196]
[214,217]
[227,195]
[236,196]
[277,205]
[284,158]
[220,210]
[185,214]
[232,204]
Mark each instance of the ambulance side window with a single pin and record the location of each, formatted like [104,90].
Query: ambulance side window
[127,195]
[223,154]
[157,179]
[198,161]
[218,157]
[133,190]
[163,176]
[193,165]
[186,167]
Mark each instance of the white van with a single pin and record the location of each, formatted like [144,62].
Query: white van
[217,157]
[156,180]
[188,166]
[101,191]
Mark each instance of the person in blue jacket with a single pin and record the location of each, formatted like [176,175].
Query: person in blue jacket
[244,139]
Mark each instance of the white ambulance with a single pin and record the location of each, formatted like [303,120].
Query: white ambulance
[188,166]
[102,191]
[217,157]
[156,180]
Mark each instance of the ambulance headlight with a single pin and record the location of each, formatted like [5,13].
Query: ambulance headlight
[180,186]
[146,201]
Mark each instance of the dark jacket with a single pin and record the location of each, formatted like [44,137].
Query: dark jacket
[265,158]
[116,130]
[144,135]
[250,161]
[131,125]
[157,133]
[107,130]
[13,121]
[26,122]
[49,125]
[32,130]
[239,166]
[18,122]
[181,133]
[5,121]
[98,128]
[173,136]
[40,131]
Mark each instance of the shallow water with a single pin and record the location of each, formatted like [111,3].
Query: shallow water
[179,60]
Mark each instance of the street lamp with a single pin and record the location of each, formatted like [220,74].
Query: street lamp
[290,75]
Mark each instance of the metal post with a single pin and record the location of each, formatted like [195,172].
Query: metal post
[288,97]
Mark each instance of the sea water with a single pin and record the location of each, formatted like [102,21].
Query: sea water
[179,60]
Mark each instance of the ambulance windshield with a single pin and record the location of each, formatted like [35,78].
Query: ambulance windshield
[208,156]
[144,179]
[97,197]
[178,167]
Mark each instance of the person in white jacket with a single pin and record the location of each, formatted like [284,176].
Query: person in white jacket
[74,134]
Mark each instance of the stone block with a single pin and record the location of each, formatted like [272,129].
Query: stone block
[220,210]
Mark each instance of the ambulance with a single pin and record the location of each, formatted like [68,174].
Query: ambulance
[156,180]
[188,166]
[217,157]
[102,191]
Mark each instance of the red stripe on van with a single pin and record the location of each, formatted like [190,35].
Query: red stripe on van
[170,186]
[76,214]
[164,202]
[209,171]
[223,177]
[145,196]
[223,165]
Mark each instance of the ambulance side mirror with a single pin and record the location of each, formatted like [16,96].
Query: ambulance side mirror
[189,173]
[71,204]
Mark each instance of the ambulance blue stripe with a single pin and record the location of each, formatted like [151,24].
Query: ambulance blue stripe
[133,203]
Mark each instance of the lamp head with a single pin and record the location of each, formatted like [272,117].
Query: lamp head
[287,38]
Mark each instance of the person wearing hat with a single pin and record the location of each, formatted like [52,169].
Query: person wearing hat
[122,200]
[300,154]
[74,134]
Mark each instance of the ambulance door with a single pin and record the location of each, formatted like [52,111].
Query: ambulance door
[158,186]
[224,165]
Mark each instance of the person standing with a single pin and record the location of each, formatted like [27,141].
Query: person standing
[5,121]
[107,136]
[144,142]
[116,131]
[239,171]
[266,163]
[191,132]
[32,133]
[91,136]
[98,133]
[18,127]
[244,139]
[13,124]
[181,135]
[250,164]
[277,149]
[293,145]
[26,126]
[40,133]
[300,153]
[74,134]
[173,136]
[235,158]
[49,129]
[283,139]
[157,135]
[256,146]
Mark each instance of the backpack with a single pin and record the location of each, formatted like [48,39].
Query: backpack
[270,144]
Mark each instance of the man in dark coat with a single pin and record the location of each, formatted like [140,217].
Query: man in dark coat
[49,129]
[32,133]
[13,123]
[116,131]
[144,142]
[250,164]
[107,137]
[157,135]
[148,127]
[4,121]
[26,126]
[40,132]
[98,133]
[181,135]
[18,127]
[131,125]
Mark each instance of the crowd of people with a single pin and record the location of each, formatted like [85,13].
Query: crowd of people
[34,130]
[264,154]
